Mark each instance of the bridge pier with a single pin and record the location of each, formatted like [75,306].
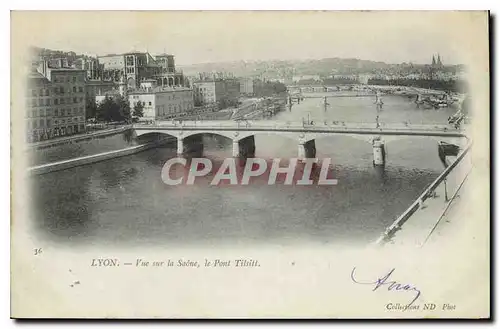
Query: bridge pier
[378,152]
[190,145]
[180,146]
[306,150]
[244,148]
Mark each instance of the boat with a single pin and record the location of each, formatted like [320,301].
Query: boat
[447,150]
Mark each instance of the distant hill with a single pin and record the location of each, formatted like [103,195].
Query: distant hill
[321,67]
[276,68]
[324,66]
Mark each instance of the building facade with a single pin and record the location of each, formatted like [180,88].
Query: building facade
[95,88]
[246,86]
[133,67]
[216,91]
[56,101]
[92,66]
[39,114]
[168,76]
[163,103]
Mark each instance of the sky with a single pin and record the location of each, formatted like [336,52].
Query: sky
[201,37]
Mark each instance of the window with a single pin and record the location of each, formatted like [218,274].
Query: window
[56,101]
[56,113]
[56,90]
[33,92]
[74,100]
[56,122]
[33,102]
[80,89]
[42,123]
[48,122]
[149,103]
[61,90]
[42,113]
[74,81]
[48,112]
[35,124]
[130,60]
[74,89]
[62,100]
[81,99]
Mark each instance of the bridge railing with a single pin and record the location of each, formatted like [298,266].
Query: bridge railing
[319,125]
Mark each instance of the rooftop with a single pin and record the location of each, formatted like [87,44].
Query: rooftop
[164,55]
[98,82]
[36,75]
[65,69]
[158,90]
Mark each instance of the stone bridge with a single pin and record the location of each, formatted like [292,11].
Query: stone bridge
[188,133]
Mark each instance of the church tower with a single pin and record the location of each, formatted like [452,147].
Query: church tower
[439,63]
[433,61]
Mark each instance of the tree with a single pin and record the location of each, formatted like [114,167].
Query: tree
[90,108]
[113,109]
[105,109]
[138,110]
[122,110]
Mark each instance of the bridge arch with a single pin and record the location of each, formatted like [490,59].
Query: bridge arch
[142,133]
[189,133]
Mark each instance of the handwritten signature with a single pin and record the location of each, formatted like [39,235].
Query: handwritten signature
[391,285]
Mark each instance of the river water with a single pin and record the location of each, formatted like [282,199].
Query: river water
[124,201]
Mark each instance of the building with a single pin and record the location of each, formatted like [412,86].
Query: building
[92,66]
[39,115]
[168,76]
[95,88]
[221,91]
[109,94]
[133,67]
[163,103]
[56,101]
[246,86]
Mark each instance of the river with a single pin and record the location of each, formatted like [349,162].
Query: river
[124,201]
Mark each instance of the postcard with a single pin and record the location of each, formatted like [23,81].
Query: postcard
[250,164]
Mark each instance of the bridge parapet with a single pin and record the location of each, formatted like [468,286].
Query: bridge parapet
[241,129]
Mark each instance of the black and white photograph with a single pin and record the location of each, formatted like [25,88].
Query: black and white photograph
[250,164]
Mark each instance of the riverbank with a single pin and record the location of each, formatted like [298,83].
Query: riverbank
[74,139]
[85,160]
